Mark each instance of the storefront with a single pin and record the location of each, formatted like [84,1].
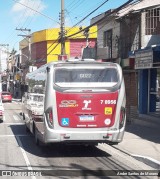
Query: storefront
[147,62]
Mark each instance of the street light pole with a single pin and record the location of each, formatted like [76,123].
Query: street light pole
[29,40]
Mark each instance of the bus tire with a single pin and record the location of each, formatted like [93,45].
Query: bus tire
[26,129]
[36,137]
[2,119]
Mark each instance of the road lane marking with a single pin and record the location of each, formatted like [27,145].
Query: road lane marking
[11,123]
[4,118]
[19,135]
[25,156]
[147,158]
[16,118]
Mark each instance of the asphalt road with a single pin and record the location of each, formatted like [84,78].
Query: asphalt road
[18,152]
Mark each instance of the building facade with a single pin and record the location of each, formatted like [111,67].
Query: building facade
[121,35]
[42,47]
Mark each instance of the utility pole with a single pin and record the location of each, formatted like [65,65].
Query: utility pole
[29,40]
[62,33]
[86,34]
[25,70]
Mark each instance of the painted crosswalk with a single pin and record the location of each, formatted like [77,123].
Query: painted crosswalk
[15,118]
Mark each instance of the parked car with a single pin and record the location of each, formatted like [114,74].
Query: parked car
[6,96]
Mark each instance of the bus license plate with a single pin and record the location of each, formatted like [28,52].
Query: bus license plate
[86,118]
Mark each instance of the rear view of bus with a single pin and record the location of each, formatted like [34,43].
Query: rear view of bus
[84,103]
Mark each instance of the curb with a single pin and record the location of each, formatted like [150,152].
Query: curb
[147,160]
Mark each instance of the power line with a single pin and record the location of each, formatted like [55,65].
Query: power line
[29,19]
[90,13]
[62,22]
[114,11]
[36,11]
[78,3]
[29,40]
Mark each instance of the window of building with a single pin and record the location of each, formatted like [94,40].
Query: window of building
[107,38]
[153,21]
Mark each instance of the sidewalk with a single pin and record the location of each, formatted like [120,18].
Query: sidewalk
[142,140]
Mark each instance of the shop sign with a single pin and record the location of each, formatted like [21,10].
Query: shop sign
[144,59]
[32,68]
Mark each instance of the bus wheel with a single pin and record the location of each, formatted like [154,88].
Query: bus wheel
[113,143]
[2,119]
[26,129]
[36,137]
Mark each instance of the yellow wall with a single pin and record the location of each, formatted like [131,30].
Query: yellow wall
[92,32]
[54,49]
[39,36]
[53,34]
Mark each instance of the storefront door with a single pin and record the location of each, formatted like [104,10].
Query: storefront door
[154,91]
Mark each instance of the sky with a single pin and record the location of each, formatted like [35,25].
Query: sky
[44,14]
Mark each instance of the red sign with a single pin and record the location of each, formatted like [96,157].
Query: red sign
[62,57]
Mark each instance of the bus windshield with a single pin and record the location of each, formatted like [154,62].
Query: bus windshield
[86,77]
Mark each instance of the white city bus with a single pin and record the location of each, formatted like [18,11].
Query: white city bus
[84,102]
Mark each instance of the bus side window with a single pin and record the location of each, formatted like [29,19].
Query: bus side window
[60,80]
[63,80]
[114,77]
